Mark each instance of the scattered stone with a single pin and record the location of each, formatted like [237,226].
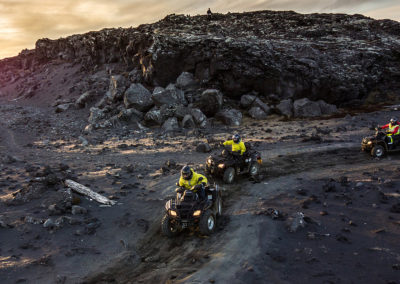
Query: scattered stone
[203,148]
[84,99]
[78,210]
[169,96]
[63,107]
[296,221]
[199,117]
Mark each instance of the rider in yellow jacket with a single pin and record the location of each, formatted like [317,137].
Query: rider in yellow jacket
[237,144]
[193,181]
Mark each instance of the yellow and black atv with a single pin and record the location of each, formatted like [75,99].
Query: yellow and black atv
[188,210]
[228,164]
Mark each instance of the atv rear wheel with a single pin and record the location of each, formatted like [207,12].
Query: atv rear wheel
[254,169]
[378,151]
[167,228]
[207,223]
[229,175]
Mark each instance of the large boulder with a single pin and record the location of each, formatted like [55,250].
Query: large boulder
[306,108]
[327,109]
[171,124]
[139,97]
[257,113]
[169,96]
[210,102]
[199,117]
[186,81]
[285,108]
[248,101]
[118,85]
[232,117]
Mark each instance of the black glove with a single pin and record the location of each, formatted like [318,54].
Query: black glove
[197,187]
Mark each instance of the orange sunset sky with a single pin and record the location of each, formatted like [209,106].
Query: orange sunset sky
[22,22]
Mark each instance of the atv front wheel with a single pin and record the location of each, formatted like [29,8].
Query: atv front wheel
[378,151]
[254,169]
[167,228]
[229,175]
[218,206]
[207,223]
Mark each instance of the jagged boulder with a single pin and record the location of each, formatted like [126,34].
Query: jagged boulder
[251,101]
[170,125]
[327,109]
[186,81]
[257,113]
[285,107]
[118,85]
[231,117]
[210,102]
[169,96]
[306,108]
[139,97]
[199,117]
[188,122]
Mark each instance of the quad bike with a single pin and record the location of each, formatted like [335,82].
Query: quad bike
[188,210]
[377,145]
[228,165]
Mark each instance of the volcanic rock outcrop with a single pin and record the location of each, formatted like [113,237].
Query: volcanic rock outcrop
[278,57]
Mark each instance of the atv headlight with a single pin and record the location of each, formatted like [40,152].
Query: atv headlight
[209,161]
[221,166]
[172,213]
[196,213]
[369,142]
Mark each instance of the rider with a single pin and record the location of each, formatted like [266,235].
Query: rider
[238,146]
[392,132]
[193,181]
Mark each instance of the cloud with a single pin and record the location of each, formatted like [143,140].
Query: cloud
[22,22]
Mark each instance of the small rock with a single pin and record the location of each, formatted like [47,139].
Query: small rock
[203,148]
[78,210]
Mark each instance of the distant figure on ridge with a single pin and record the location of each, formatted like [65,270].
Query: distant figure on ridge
[209,14]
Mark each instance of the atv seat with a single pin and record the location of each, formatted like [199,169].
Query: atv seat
[189,196]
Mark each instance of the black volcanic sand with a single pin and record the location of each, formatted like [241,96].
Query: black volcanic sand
[350,202]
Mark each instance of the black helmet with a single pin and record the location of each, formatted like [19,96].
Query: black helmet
[236,138]
[393,120]
[186,173]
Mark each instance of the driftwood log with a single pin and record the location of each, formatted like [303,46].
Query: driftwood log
[88,192]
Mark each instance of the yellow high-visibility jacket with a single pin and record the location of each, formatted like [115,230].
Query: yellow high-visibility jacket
[188,184]
[236,147]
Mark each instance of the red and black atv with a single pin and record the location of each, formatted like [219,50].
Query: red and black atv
[228,165]
[188,210]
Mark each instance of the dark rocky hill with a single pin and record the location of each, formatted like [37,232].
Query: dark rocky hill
[341,59]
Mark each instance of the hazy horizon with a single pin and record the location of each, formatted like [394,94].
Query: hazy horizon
[24,22]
